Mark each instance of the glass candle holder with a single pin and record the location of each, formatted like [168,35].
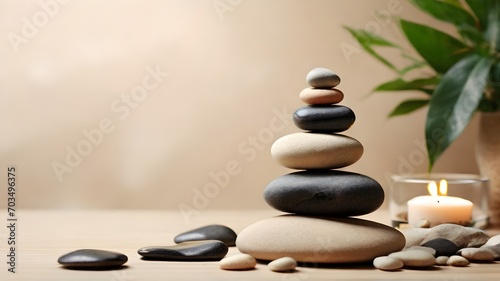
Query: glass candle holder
[414,188]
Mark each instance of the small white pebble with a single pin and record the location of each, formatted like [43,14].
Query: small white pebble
[387,263]
[442,260]
[457,261]
[282,264]
[238,262]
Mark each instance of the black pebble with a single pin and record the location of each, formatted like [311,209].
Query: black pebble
[443,247]
[324,118]
[208,250]
[92,259]
[209,232]
[325,193]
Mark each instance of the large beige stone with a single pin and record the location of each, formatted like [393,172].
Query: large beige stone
[316,151]
[319,240]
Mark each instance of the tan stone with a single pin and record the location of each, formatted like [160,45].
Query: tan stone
[321,96]
[238,262]
[282,264]
[462,236]
[415,258]
[387,263]
[442,260]
[457,261]
[316,151]
[319,240]
[482,254]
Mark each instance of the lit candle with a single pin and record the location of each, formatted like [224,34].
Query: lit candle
[439,208]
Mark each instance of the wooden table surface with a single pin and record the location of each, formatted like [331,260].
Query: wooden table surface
[42,236]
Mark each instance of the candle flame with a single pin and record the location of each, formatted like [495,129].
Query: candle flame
[433,190]
[443,187]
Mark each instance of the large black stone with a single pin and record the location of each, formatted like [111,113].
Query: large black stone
[92,259]
[208,250]
[324,118]
[209,232]
[325,193]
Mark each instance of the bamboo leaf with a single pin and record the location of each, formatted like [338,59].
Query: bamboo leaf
[492,32]
[439,49]
[427,91]
[408,106]
[402,85]
[368,39]
[495,84]
[456,3]
[472,34]
[411,67]
[454,101]
[480,10]
[445,11]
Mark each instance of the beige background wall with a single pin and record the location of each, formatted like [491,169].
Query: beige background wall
[229,72]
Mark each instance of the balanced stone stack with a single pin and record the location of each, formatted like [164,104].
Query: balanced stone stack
[321,200]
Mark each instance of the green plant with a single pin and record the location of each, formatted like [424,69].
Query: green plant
[466,67]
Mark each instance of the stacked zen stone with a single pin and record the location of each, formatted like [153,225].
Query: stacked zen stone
[321,199]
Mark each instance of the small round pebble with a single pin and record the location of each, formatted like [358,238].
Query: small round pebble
[414,258]
[457,261]
[321,96]
[387,263]
[238,262]
[477,254]
[282,264]
[322,78]
[442,260]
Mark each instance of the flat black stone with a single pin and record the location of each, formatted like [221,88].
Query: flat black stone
[208,250]
[324,118]
[443,247]
[325,193]
[92,259]
[209,232]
